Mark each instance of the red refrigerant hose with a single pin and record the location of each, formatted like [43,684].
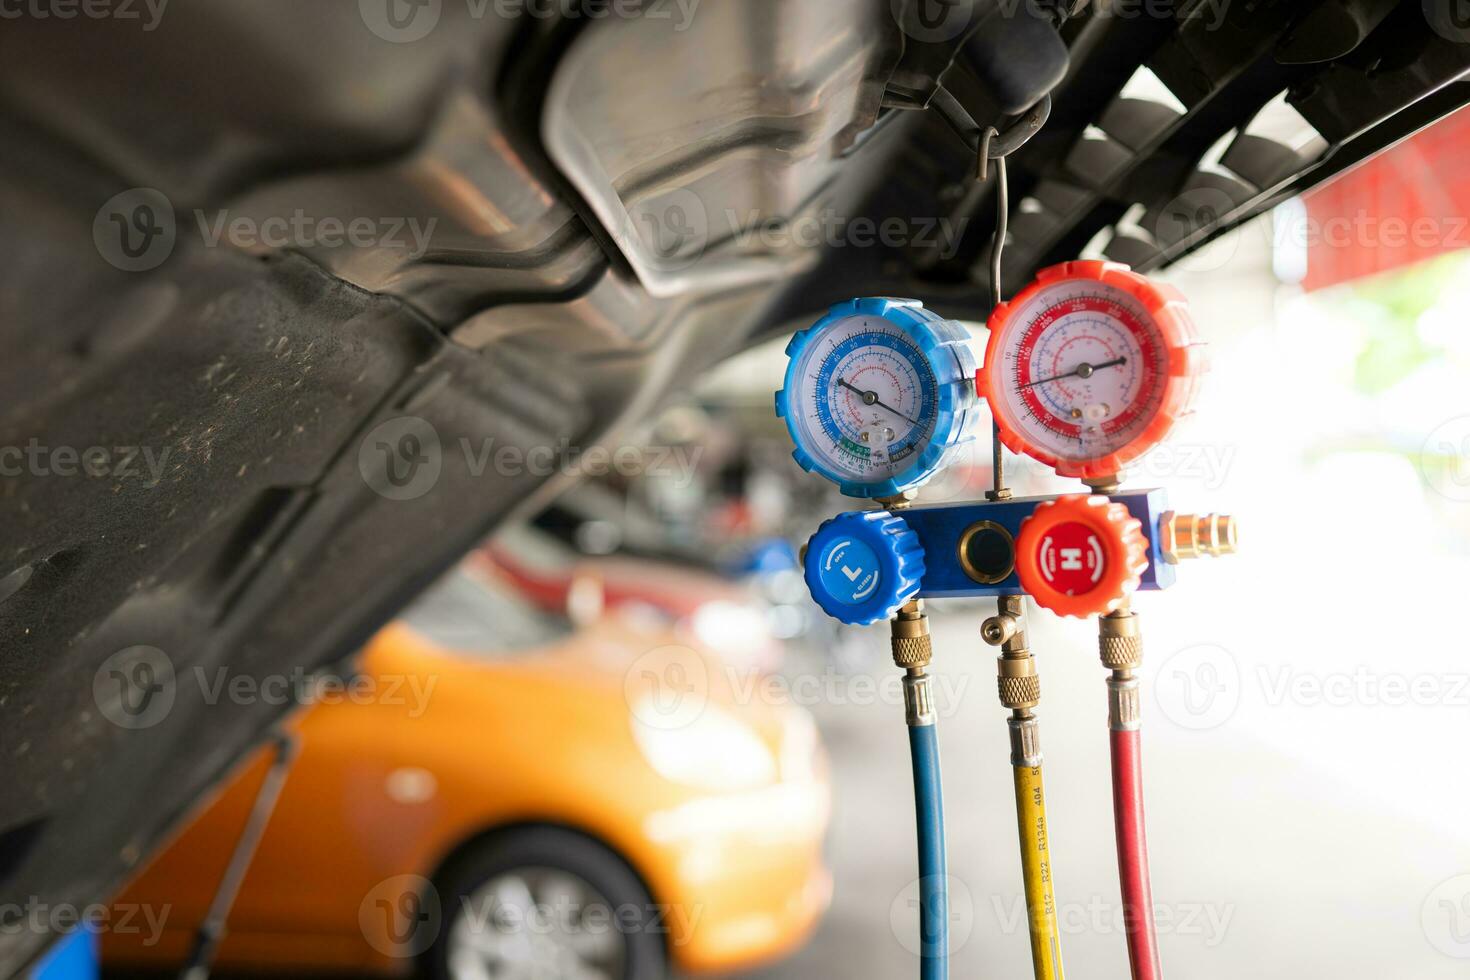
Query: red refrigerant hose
[1138,914]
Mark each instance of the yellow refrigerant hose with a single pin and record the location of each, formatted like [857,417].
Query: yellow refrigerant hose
[1041,903]
[1020,691]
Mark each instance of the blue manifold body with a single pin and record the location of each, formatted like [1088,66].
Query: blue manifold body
[941,528]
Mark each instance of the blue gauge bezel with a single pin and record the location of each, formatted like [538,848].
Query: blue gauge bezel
[944,343]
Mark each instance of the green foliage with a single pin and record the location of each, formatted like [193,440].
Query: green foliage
[1389,307]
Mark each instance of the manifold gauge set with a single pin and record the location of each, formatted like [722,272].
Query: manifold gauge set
[1084,370]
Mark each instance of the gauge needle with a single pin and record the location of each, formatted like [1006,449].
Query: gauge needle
[1083,370]
[871,398]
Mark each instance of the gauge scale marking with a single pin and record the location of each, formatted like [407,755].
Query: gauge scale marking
[872,395]
[1089,366]
[1081,323]
[876,393]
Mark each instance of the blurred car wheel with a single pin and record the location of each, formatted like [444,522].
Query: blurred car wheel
[544,902]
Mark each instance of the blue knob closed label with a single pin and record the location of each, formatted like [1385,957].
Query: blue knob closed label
[849,570]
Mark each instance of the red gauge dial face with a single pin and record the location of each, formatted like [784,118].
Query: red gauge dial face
[1087,372]
[1084,369]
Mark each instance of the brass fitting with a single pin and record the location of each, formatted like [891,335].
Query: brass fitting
[1119,640]
[1018,683]
[899,501]
[1007,628]
[912,651]
[1192,535]
[1120,646]
[912,648]
[998,629]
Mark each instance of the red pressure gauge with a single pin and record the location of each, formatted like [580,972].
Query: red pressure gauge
[1089,366]
[1080,555]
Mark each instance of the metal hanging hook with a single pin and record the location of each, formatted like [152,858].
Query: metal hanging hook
[996,145]
[990,143]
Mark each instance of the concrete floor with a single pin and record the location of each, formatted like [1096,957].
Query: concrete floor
[1262,861]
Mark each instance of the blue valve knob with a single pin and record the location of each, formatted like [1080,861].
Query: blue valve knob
[863,565]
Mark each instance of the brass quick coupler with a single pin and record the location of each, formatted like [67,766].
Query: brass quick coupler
[912,649]
[1184,536]
[1119,642]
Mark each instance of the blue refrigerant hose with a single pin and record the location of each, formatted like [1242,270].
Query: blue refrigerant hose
[933,881]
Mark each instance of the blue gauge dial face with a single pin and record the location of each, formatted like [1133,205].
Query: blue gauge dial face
[865,399]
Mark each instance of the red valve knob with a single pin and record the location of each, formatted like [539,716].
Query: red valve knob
[1080,555]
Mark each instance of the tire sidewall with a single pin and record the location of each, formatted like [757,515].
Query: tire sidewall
[644,934]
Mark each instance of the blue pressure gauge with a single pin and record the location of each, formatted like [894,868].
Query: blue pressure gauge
[877,393]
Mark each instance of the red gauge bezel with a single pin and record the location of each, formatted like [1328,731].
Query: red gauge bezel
[1184,357]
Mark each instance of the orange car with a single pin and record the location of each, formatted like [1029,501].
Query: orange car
[603,802]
